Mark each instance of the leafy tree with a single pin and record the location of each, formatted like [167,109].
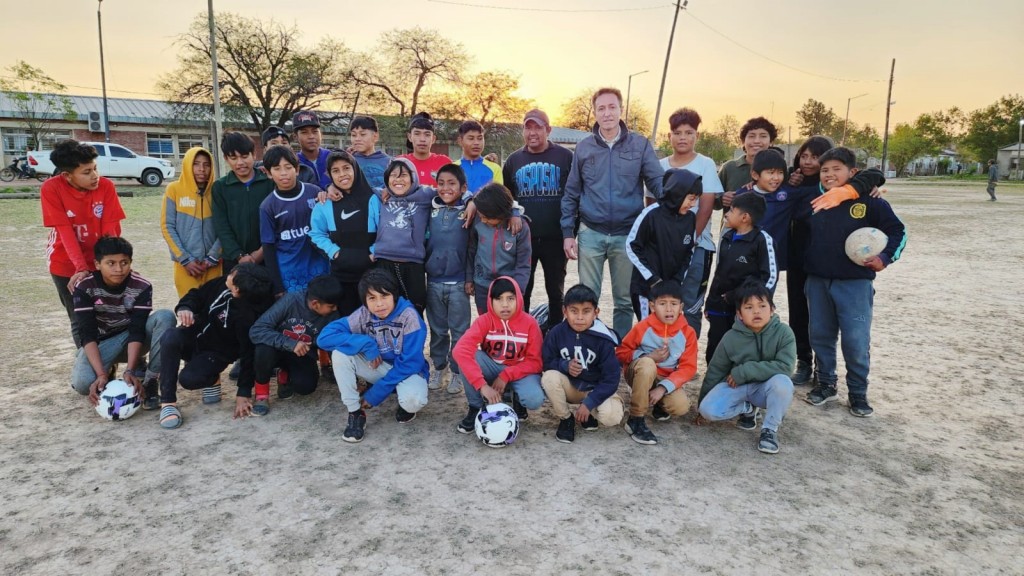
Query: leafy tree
[727,129]
[994,126]
[265,75]
[640,117]
[486,97]
[865,138]
[905,144]
[816,118]
[38,99]
[578,111]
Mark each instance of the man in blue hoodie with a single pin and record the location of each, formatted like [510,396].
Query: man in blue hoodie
[580,367]
[605,193]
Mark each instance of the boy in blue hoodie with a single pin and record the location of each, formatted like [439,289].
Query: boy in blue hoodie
[496,247]
[285,337]
[751,368]
[448,286]
[382,343]
[580,367]
[364,134]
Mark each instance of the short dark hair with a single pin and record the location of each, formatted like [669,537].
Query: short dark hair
[236,143]
[767,160]
[70,154]
[454,170]
[751,289]
[325,288]
[470,126]
[606,90]
[580,294]
[686,116]
[277,154]
[253,282]
[759,123]
[817,145]
[364,122]
[666,288]
[339,156]
[421,120]
[109,245]
[750,203]
[494,201]
[397,165]
[380,281]
[499,287]
[842,154]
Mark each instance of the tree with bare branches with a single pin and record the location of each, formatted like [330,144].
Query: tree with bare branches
[38,99]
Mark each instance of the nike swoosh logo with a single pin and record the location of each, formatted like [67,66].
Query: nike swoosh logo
[347,215]
[279,214]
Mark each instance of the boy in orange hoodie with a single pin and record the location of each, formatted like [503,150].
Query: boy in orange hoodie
[501,349]
[658,355]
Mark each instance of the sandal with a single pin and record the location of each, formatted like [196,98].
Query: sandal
[170,417]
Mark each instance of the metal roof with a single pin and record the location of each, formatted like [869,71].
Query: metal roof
[567,135]
[123,110]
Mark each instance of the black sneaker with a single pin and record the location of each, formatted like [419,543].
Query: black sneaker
[468,423]
[356,427]
[769,442]
[236,370]
[821,394]
[859,406]
[566,430]
[404,417]
[659,413]
[748,421]
[150,394]
[521,410]
[591,424]
[804,373]
[639,432]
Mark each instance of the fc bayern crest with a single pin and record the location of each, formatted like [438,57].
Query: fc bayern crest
[97,210]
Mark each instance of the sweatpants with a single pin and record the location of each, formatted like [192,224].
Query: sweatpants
[695,285]
[642,376]
[717,327]
[202,368]
[303,373]
[412,392]
[66,300]
[551,256]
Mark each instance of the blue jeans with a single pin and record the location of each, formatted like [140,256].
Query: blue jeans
[115,349]
[528,388]
[448,316]
[841,306]
[596,248]
[773,395]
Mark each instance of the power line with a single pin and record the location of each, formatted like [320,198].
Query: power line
[770,59]
[563,10]
[95,88]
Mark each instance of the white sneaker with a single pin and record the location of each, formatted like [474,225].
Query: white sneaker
[455,384]
[436,379]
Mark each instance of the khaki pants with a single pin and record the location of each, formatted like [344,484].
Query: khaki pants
[642,375]
[561,393]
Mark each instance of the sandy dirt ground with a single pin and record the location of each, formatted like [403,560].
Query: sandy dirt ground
[932,484]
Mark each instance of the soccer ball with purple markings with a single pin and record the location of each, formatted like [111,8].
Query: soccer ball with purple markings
[497,425]
[118,401]
[864,243]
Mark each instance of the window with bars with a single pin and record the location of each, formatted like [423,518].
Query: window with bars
[186,141]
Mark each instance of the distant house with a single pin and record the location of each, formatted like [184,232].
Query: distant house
[945,162]
[1008,158]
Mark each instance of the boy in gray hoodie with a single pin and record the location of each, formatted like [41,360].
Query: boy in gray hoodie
[496,248]
[751,368]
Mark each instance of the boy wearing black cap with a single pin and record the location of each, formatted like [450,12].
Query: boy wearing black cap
[276,136]
[306,127]
[364,134]
[420,137]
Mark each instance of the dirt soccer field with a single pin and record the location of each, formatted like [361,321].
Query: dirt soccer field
[932,484]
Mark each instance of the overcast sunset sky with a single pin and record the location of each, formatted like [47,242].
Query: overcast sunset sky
[740,57]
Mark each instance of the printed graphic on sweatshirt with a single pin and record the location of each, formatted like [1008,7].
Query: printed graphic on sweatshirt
[538,180]
[403,213]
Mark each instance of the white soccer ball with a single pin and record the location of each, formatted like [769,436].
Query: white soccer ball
[497,425]
[864,243]
[118,401]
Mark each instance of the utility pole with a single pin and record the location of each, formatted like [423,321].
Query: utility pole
[103,73]
[629,92]
[847,121]
[888,107]
[218,129]
[664,72]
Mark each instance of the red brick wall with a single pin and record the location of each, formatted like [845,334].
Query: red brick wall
[134,141]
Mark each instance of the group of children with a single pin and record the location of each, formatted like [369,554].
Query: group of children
[336,256]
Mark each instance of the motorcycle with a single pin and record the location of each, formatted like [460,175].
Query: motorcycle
[20,169]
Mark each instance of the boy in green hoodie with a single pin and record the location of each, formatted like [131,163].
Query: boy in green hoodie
[751,368]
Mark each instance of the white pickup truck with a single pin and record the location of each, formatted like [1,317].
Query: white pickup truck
[114,161]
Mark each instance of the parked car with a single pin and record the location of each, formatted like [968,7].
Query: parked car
[114,161]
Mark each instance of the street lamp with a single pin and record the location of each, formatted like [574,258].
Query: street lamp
[847,121]
[629,89]
[1020,132]
[103,72]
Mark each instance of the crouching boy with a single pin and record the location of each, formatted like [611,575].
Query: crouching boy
[659,355]
[382,343]
[751,368]
[285,338]
[501,349]
[580,367]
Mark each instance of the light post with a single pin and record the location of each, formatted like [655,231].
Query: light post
[103,72]
[1020,132]
[629,89]
[218,130]
[847,121]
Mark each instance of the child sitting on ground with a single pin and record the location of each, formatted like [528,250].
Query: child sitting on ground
[751,368]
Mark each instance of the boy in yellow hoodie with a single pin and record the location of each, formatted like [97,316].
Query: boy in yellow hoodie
[186,220]
[659,355]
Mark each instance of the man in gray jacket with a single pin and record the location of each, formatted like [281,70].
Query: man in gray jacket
[605,194]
